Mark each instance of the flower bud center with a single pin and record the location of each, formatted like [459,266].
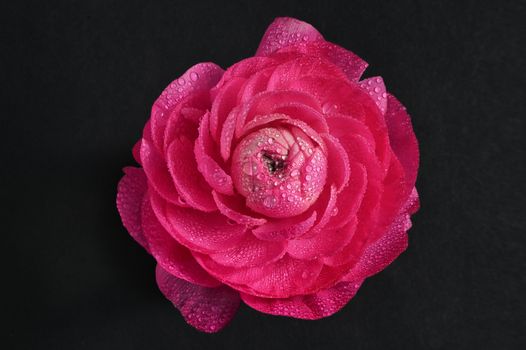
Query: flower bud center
[279,170]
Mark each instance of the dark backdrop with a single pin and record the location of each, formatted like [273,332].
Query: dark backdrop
[78,81]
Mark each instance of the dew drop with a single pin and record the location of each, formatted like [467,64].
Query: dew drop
[194,76]
[269,201]
[181,81]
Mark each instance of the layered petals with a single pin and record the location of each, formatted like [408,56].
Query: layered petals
[207,309]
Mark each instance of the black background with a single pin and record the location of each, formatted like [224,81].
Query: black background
[78,81]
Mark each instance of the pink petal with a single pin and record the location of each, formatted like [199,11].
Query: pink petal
[402,138]
[250,252]
[157,172]
[352,65]
[183,120]
[312,117]
[245,68]
[188,181]
[338,162]
[130,193]
[327,205]
[280,279]
[223,103]
[254,85]
[201,77]
[379,255]
[261,120]
[214,175]
[203,232]
[288,228]
[170,255]
[350,199]
[342,125]
[310,307]
[286,31]
[262,103]
[303,66]
[327,242]
[227,134]
[136,151]
[375,87]
[233,207]
[207,309]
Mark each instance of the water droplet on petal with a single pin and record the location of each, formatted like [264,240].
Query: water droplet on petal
[269,201]
[194,76]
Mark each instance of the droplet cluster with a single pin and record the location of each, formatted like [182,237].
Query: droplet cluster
[279,170]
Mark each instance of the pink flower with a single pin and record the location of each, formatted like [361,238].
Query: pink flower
[282,182]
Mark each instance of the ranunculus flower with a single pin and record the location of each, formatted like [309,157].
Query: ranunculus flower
[282,182]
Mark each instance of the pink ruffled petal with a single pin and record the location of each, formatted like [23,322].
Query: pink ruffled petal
[170,255]
[342,125]
[303,66]
[202,76]
[381,253]
[250,252]
[338,162]
[402,138]
[227,134]
[261,120]
[207,309]
[327,205]
[245,69]
[285,31]
[223,103]
[350,199]
[375,87]
[262,103]
[188,181]
[233,207]
[312,117]
[203,232]
[352,65]
[254,85]
[214,175]
[288,228]
[280,279]
[309,307]
[136,151]
[183,120]
[130,193]
[157,172]
[325,243]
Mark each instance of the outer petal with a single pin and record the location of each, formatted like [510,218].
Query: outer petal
[376,89]
[202,76]
[402,138]
[173,257]
[280,279]
[352,65]
[380,254]
[130,193]
[285,31]
[310,307]
[157,172]
[207,309]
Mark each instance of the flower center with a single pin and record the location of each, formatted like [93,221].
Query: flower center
[279,170]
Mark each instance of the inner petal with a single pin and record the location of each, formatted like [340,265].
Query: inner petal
[279,170]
